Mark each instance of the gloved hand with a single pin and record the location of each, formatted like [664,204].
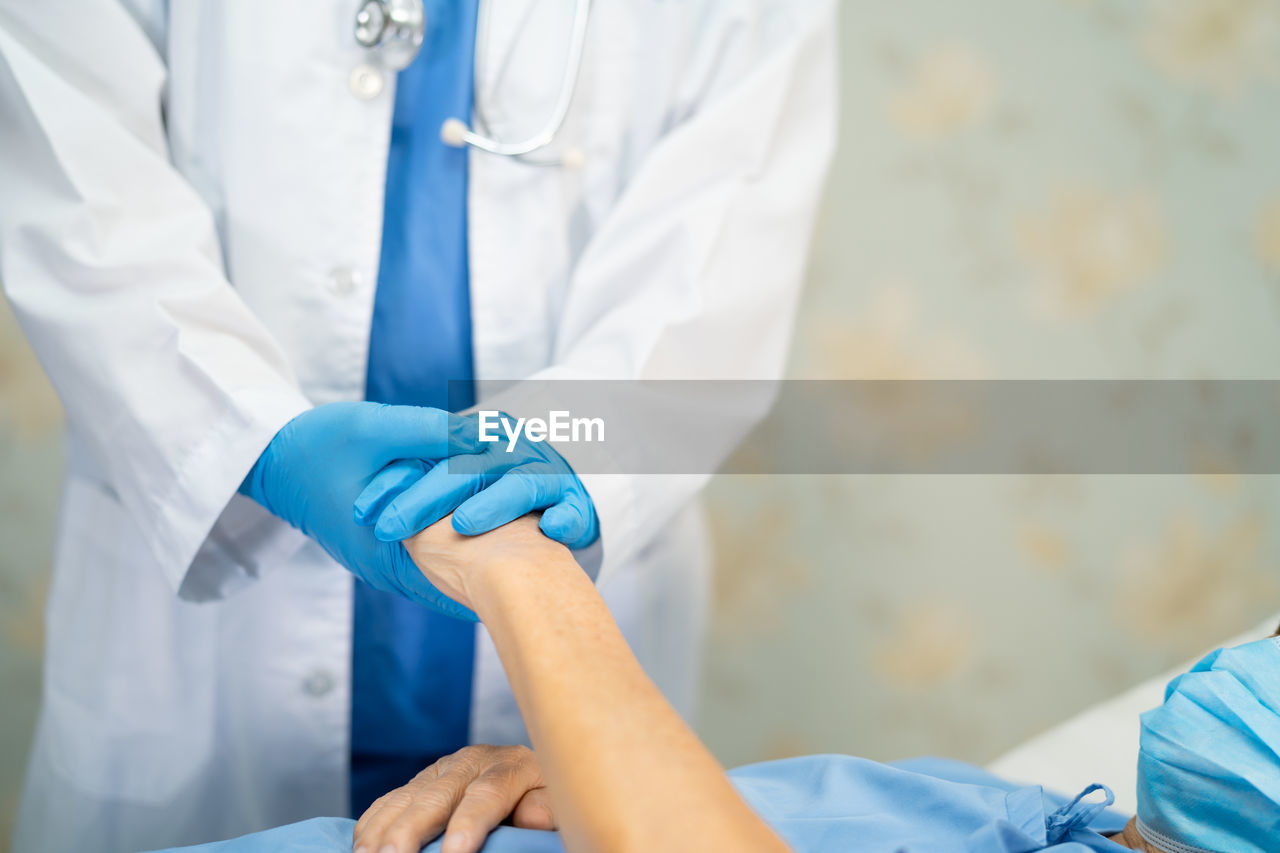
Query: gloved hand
[321,460]
[497,487]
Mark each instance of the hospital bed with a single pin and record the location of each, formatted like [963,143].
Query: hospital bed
[1100,744]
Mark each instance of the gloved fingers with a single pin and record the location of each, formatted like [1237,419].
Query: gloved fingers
[405,432]
[569,522]
[519,492]
[385,486]
[425,502]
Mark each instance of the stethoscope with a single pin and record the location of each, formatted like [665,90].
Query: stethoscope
[396,28]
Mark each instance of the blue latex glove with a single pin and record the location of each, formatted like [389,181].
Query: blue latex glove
[497,487]
[321,460]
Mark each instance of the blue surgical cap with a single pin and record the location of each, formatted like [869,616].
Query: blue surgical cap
[1209,760]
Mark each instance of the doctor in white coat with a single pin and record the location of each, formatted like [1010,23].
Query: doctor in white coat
[191,224]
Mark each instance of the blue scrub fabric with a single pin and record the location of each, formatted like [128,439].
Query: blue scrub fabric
[833,804]
[411,668]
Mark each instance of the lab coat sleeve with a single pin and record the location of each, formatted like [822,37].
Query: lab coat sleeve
[111,263]
[703,256]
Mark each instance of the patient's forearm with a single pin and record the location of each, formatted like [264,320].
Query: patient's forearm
[623,770]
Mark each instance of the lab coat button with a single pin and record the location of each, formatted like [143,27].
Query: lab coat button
[366,82]
[344,281]
[317,684]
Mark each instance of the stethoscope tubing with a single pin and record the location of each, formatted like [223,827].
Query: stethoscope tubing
[455,131]
[568,85]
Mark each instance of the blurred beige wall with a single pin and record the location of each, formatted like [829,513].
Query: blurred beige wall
[1024,189]
[31,463]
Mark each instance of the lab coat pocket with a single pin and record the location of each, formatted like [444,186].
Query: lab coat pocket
[130,669]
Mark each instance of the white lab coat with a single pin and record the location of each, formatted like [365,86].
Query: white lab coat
[191,195]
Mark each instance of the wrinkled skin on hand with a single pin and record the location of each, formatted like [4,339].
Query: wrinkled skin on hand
[465,796]
[454,563]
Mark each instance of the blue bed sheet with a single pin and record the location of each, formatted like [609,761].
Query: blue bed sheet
[833,803]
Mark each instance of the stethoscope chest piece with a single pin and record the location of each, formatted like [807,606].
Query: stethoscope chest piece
[395,28]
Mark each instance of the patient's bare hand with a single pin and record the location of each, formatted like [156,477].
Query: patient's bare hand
[455,563]
[465,795]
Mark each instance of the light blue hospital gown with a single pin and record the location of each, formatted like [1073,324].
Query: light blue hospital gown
[834,803]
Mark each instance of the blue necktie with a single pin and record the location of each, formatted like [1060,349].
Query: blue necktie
[411,668]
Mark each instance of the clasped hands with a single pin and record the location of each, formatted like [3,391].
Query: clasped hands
[359,478]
